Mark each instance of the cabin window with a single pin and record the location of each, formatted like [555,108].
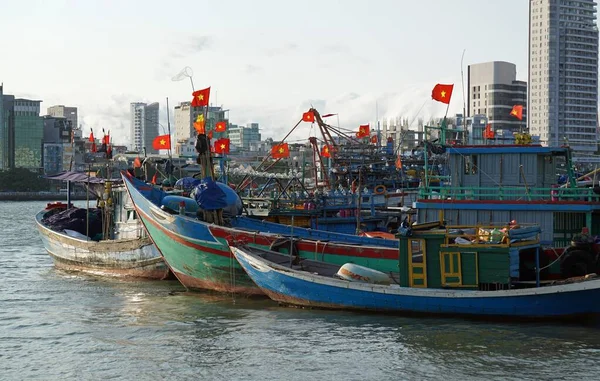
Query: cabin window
[470,164]
[416,250]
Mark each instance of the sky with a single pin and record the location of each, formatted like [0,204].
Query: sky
[266,61]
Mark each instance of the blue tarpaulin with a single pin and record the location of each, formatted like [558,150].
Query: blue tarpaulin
[209,195]
[187,183]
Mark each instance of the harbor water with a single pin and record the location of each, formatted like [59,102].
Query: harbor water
[56,325]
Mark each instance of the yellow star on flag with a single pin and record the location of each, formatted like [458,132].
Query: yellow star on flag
[513,112]
[163,142]
[281,150]
[326,149]
[201,97]
[222,146]
[443,94]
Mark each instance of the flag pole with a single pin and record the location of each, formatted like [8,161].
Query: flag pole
[169,129]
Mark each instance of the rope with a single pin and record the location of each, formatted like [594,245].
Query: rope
[559,256]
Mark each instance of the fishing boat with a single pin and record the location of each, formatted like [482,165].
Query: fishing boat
[501,181]
[106,240]
[454,271]
[197,250]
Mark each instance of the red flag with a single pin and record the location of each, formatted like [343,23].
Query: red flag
[137,163]
[92,139]
[154,179]
[308,116]
[374,139]
[109,152]
[106,139]
[517,112]
[222,145]
[442,93]
[161,142]
[398,163]
[221,126]
[325,152]
[488,133]
[199,124]
[327,115]
[280,150]
[210,134]
[201,97]
[363,131]
[94,149]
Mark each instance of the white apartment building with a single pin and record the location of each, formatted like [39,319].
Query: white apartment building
[563,73]
[144,126]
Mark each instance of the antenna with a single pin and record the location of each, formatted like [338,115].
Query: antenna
[462,82]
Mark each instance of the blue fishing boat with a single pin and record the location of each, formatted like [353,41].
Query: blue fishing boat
[448,272]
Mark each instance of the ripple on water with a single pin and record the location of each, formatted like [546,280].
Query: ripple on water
[57,325]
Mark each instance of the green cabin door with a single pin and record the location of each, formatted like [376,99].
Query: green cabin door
[417,263]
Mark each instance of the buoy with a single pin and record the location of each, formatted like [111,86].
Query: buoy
[357,273]
[379,189]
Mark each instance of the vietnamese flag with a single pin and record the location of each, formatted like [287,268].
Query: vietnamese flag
[222,145]
[280,150]
[363,131]
[374,139]
[199,124]
[162,142]
[308,116]
[201,97]
[92,139]
[325,152]
[517,112]
[488,133]
[398,163]
[442,93]
[94,149]
[221,126]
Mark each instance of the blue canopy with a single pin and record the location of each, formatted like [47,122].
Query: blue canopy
[209,195]
[187,183]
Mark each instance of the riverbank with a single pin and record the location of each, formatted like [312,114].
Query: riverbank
[41,196]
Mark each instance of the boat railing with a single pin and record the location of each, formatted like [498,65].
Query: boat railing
[509,193]
[497,234]
[369,201]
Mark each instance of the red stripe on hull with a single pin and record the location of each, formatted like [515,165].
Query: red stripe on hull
[317,247]
[507,202]
[182,241]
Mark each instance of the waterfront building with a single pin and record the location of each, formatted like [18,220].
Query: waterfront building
[21,133]
[58,150]
[143,126]
[242,138]
[493,90]
[61,111]
[186,148]
[185,115]
[563,73]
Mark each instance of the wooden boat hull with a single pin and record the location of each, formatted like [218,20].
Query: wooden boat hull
[300,288]
[198,253]
[136,258]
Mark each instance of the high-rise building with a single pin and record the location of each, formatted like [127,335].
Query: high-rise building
[493,90]
[144,126]
[185,115]
[70,113]
[21,133]
[563,73]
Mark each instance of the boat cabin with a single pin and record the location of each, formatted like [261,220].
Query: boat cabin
[471,257]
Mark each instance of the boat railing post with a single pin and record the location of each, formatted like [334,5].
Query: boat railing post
[537,267]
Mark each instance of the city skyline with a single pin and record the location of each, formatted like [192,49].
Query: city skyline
[264,63]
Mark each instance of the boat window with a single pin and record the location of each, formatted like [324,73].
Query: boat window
[416,250]
[470,164]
